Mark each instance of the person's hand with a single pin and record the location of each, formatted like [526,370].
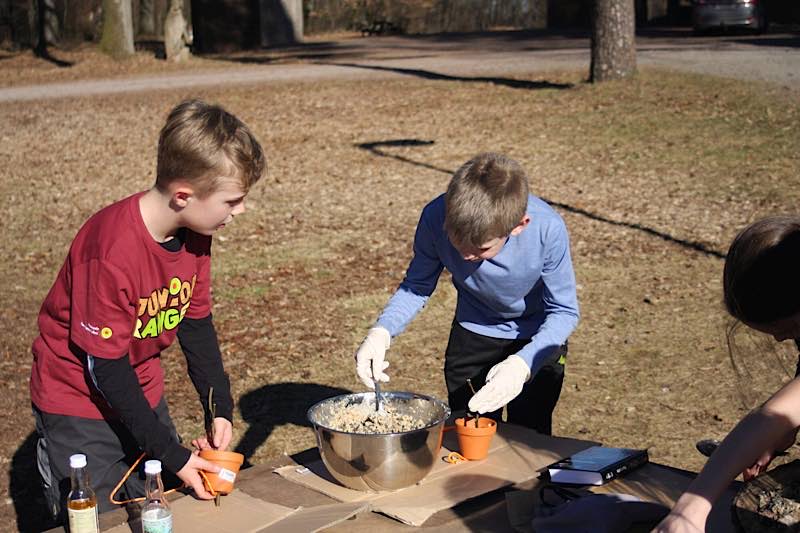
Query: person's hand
[678,523]
[763,461]
[503,383]
[759,466]
[190,474]
[223,433]
[371,355]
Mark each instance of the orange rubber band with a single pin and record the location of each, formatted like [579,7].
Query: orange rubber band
[125,478]
[207,483]
[454,458]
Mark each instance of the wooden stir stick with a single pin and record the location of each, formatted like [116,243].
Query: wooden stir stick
[212,408]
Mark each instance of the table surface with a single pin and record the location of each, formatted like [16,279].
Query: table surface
[485,513]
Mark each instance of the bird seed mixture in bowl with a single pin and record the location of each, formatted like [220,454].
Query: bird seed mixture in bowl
[396,417]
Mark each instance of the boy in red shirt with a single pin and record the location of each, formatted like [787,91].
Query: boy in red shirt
[138,275]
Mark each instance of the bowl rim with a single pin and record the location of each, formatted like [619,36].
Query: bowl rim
[404,394]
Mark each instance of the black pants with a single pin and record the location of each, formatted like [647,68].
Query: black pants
[110,450]
[470,355]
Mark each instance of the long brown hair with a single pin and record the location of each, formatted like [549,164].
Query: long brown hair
[761,284]
[761,279]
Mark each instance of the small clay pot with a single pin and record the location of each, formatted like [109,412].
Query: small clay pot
[474,438]
[230,462]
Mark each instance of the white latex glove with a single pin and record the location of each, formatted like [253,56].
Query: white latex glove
[503,383]
[371,355]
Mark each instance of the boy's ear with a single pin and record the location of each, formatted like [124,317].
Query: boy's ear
[521,226]
[181,195]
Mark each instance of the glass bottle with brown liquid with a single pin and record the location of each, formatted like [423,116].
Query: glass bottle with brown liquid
[81,501]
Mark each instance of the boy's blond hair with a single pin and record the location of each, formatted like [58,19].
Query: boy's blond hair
[486,199]
[201,143]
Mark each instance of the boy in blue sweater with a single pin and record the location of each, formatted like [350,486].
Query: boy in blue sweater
[508,253]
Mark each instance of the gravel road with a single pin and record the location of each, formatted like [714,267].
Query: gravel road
[772,58]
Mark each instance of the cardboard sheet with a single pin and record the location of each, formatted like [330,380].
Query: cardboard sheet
[315,476]
[516,455]
[239,513]
[316,518]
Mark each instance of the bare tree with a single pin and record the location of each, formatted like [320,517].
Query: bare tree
[117,36]
[48,26]
[176,36]
[613,40]
[147,18]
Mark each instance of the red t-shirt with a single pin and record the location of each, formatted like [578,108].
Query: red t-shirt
[119,292]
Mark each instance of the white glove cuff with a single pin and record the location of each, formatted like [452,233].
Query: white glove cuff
[519,363]
[382,334]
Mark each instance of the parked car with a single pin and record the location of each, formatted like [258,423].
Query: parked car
[721,14]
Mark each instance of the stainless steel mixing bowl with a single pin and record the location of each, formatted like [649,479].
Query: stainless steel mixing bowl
[380,461]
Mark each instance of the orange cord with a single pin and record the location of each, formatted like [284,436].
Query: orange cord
[125,478]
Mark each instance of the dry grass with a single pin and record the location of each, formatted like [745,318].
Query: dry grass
[653,177]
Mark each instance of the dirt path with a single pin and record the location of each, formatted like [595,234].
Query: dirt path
[773,58]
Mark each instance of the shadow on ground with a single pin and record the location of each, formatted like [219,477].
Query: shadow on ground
[25,489]
[409,46]
[44,53]
[305,52]
[430,75]
[274,405]
[785,42]
[377,149]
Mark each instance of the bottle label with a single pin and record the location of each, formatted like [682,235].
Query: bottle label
[157,525]
[83,520]
[227,475]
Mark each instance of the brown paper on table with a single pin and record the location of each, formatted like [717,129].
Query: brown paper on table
[515,455]
[316,518]
[238,513]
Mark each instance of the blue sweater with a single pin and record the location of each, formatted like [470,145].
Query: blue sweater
[526,291]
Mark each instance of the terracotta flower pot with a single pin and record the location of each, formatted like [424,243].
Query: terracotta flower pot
[474,440]
[230,462]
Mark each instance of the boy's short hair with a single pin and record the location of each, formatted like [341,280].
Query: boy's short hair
[486,199]
[200,142]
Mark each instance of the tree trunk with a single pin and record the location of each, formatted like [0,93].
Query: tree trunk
[175,35]
[117,37]
[147,18]
[281,22]
[160,12]
[48,26]
[80,21]
[613,40]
